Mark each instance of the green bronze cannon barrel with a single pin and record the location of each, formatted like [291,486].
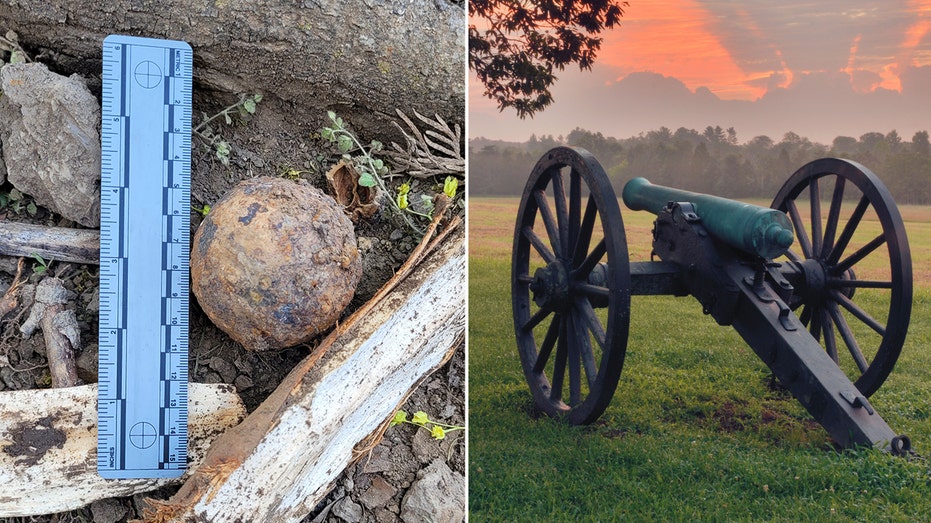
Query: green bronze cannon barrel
[749,228]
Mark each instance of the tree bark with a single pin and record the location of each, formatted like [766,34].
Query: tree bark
[362,59]
[279,463]
[48,446]
[51,243]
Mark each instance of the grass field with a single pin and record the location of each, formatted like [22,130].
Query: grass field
[696,430]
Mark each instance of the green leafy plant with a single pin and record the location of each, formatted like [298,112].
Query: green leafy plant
[244,107]
[372,171]
[41,266]
[437,430]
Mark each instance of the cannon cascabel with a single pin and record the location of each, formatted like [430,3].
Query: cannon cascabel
[274,263]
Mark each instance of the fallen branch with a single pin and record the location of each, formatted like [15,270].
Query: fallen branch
[59,328]
[51,243]
[10,298]
[280,462]
[48,446]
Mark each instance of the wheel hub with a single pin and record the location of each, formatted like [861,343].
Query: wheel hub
[550,287]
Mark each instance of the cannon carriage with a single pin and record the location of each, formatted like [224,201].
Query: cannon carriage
[790,279]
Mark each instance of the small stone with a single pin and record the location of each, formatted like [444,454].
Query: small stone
[347,510]
[243,382]
[108,510]
[87,363]
[438,496]
[425,448]
[378,493]
[396,235]
[225,369]
[49,126]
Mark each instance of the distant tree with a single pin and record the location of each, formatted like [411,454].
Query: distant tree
[515,46]
[920,143]
[893,139]
[731,136]
[844,145]
[870,141]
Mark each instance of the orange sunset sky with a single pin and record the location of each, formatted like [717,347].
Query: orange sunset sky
[819,68]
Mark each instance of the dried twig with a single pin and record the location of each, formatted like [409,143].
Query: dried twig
[434,152]
[10,298]
[60,329]
[51,243]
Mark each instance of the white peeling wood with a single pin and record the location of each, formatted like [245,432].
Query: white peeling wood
[48,446]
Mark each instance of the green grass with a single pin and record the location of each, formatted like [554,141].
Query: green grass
[696,430]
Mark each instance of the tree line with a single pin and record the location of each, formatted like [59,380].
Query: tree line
[711,161]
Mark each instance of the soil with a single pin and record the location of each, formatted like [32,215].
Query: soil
[268,143]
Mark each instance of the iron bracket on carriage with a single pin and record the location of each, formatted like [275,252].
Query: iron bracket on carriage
[785,278]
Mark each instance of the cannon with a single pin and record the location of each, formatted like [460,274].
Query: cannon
[819,285]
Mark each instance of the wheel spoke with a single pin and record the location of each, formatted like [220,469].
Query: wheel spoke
[546,347]
[829,342]
[830,229]
[816,238]
[594,324]
[562,213]
[805,317]
[585,268]
[847,336]
[592,291]
[546,214]
[815,318]
[585,350]
[524,278]
[585,233]
[861,253]
[575,210]
[559,367]
[859,313]
[538,316]
[799,227]
[538,245]
[848,231]
[575,371]
[840,283]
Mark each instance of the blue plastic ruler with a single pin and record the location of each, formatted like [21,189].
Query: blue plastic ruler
[144,252]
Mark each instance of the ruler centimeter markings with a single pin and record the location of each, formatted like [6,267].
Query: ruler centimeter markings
[144,257]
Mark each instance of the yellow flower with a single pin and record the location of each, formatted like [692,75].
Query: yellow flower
[437,432]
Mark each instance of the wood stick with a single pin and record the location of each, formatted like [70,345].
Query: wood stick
[51,243]
[280,462]
[48,446]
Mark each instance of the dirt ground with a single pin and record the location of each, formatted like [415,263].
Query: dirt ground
[267,144]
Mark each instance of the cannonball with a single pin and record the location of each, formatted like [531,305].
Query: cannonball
[274,263]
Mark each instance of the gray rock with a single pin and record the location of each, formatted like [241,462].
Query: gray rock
[108,511]
[438,496]
[378,493]
[347,510]
[50,130]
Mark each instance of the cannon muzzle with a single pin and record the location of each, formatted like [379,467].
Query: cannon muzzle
[749,228]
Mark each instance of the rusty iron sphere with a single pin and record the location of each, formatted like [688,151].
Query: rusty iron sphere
[274,263]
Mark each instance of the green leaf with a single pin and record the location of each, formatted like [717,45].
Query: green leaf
[399,418]
[367,180]
[344,143]
[15,195]
[450,186]
[32,209]
[378,165]
[327,134]
[420,418]
[249,105]
[376,145]
[331,115]
[229,120]
[257,97]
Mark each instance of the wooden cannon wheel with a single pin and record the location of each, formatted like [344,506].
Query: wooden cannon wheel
[570,280]
[857,266]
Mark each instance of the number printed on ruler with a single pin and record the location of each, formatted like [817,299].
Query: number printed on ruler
[144,255]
